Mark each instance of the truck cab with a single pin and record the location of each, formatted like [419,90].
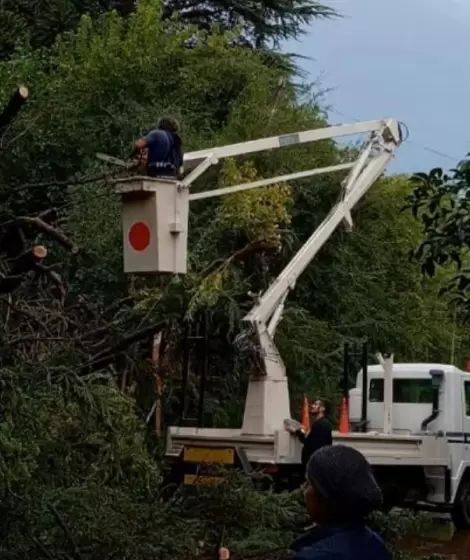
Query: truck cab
[412,398]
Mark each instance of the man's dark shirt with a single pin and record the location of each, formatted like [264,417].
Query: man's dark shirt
[319,436]
[164,156]
[355,542]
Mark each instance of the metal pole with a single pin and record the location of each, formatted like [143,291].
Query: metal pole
[346,370]
[365,388]
[387,364]
[203,360]
[185,373]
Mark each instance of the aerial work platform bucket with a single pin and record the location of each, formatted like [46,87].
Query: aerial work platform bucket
[155,225]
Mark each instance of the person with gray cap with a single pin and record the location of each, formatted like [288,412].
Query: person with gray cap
[341,492]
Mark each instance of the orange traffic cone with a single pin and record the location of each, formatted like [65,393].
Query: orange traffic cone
[343,417]
[305,420]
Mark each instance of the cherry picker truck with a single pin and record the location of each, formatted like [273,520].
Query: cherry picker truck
[420,451]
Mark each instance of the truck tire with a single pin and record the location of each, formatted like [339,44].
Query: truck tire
[461,509]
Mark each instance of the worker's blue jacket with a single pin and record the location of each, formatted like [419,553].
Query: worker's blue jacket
[164,156]
[341,543]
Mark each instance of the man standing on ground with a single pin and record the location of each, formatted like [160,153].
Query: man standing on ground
[320,433]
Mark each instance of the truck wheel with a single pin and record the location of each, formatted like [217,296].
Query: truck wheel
[461,508]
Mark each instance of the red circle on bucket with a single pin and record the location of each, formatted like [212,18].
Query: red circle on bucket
[139,236]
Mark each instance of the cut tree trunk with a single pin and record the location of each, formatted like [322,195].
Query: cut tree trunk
[13,107]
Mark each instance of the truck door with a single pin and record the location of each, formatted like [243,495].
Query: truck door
[463,458]
[458,428]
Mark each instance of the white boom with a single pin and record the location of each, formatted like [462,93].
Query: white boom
[267,403]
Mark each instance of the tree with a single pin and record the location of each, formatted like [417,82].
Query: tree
[261,22]
[79,462]
[363,287]
[441,203]
[39,22]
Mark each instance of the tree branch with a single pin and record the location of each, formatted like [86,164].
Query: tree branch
[9,284]
[82,181]
[103,358]
[49,230]
[28,260]
[258,246]
[25,313]
[68,534]
[42,548]
[55,278]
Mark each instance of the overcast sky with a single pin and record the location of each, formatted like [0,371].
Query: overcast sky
[402,58]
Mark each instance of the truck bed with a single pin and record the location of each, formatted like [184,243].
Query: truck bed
[398,449]
[281,448]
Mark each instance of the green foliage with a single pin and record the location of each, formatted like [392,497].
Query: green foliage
[39,22]
[257,214]
[98,520]
[363,286]
[441,203]
[261,22]
[79,464]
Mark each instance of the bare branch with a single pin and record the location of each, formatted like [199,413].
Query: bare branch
[258,246]
[28,260]
[83,181]
[103,358]
[68,534]
[49,230]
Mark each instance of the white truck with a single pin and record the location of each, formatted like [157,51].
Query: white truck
[417,442]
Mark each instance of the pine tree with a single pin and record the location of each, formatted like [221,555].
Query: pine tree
[263,23]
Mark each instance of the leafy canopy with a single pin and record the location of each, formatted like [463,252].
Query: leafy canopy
[79,462]
[39,22]
[441,203]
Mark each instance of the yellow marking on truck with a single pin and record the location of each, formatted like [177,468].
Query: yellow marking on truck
[192,479]
[208,455]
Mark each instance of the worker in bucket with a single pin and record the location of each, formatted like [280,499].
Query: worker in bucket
[340,493]
[161,150]
[320,433]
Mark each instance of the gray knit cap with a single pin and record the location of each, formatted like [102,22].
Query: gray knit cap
[344,478]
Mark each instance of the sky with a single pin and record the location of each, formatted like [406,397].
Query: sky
[405,59]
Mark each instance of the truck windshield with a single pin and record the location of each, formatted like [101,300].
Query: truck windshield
[409,391]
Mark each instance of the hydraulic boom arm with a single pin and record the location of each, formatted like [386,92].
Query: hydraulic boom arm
[370,165]
[267,404]
[166,208]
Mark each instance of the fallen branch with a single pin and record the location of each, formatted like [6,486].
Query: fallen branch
[12,240]
[25,313]
[68,534]
[67,182]
[102,359]
[31,123]
[21,265]
[28,260]
[36,338]
[258,246]
[9,284]
[55,278]
[49,230]
[42,548]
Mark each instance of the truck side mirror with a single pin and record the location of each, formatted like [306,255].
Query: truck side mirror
[437,376]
